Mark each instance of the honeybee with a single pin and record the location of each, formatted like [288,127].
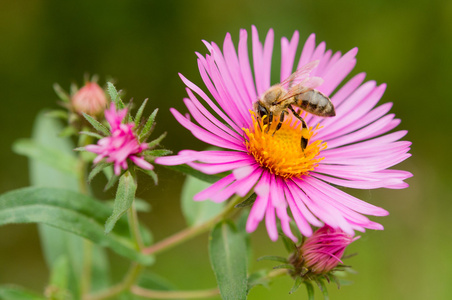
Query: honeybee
[297,90]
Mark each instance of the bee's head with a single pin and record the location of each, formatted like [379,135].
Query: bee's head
[260,109]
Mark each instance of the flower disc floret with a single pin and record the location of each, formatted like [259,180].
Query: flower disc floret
[280,152]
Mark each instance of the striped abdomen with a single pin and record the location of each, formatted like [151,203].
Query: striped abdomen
[316,103]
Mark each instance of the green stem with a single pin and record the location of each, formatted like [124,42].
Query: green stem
[134,227]
[153,294]
[125,284]
[191,232]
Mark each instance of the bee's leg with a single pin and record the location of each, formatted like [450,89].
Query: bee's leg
[304,129]
[281,120]
[270,120]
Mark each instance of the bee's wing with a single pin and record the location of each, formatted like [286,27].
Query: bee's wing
[299,75]
[300,81]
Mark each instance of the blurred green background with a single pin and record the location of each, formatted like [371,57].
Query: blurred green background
[144,44]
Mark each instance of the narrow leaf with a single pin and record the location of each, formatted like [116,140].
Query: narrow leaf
[13,292]
[258,278]
[157,141]
[125,195]
[97,136]
[296,285]
[273,258]
[51,157]
[97,169]
[140,113]
[61,93]
[248,201]
[58,113]
[152,174]
[195,173]
[158,152]
[114,95]
[227,252]
[284,266]
[147,127]
[97,125]
[68,211]
[323,288]
[111,182]
[154,281]
[197,212]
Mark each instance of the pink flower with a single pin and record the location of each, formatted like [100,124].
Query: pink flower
[352,149]
[90,99]
[323,251]
[121,145]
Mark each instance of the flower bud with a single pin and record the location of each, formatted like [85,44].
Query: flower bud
[322,251]
[90,99]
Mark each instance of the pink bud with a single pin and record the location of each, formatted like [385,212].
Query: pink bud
[90,99]
[322,251]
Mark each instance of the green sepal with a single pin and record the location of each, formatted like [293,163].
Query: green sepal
[157,141]
[152,174]
[73,89]
[114,96]
[61,93]
[288,243]
[157,152]
[97,169]
[195,173]
[125,194]
[309,290]
[284,266]
[258,278]
[67,132]
[97,125]
[273,258]
[140,113]
[50,156]
[58,113]
[296,285]
[111,180]
[93,134]
[148,126]
[247,202]
[322,287]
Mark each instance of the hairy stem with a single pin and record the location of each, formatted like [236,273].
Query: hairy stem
[153,294]
[191,232]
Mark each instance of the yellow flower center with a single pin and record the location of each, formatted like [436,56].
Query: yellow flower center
[281,152]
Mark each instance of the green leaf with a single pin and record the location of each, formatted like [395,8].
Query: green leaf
[125,194]
[67,210]
[140,113]
[197,212]
[273,258]
[148,126]
[195,173]
[52,157]
[310,290]
[227,252]
[13,292]
[248,201]
[97,125]
[152,174]
[154,281]
[284,266]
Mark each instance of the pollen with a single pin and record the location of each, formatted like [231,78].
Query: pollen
[280,152]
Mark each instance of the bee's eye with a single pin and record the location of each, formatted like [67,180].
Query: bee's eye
[261,110]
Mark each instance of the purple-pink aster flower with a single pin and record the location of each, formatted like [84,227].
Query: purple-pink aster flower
[352,149]
[121,145]
[322,251]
